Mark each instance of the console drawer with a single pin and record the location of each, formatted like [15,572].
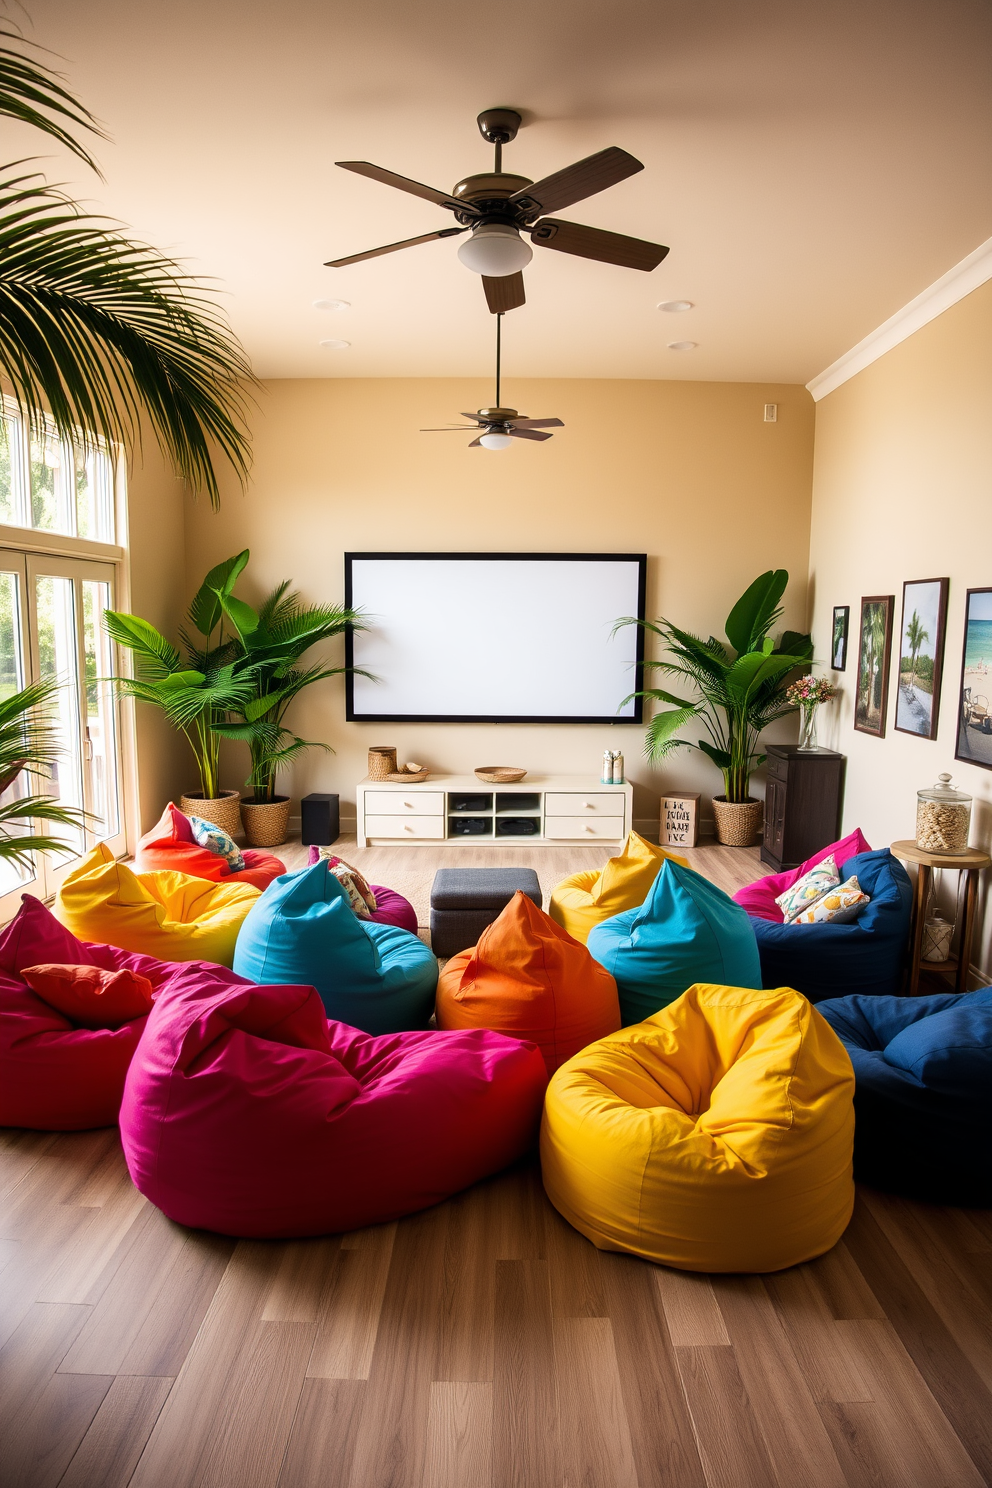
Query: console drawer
[404,803]
[579,827]
[574,803]
[410,827]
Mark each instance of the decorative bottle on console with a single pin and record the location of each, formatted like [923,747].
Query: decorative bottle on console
[607,776]
[618,767]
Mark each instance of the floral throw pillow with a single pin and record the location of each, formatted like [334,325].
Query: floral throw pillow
[360,896]
[808,889]
[217,841]
[837,905]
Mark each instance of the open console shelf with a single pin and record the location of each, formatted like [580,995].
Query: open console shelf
[550,809]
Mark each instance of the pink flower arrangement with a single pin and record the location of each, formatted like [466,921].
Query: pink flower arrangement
[808,691]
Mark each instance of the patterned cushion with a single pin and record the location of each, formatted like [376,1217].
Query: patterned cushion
[215,840]
[812,885]
[360,895]
[836,905]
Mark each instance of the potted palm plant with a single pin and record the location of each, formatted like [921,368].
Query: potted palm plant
[29,747]
[195,691]
[739,689]
[273,640]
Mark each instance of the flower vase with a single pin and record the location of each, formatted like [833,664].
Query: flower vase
[807,732]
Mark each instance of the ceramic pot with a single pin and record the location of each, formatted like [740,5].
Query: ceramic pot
[737,822]
[222,811]
[266,822]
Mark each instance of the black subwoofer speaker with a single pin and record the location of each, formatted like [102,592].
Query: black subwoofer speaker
[319,820]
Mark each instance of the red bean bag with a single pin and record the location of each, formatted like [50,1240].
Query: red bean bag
[391,908]
[759,898]
[246,1112]
[56,1075]
[171,845]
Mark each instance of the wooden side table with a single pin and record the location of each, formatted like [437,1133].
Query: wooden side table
[971,863]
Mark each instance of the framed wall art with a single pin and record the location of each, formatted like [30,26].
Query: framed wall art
[974,741]
[871,694]
[921,656]
[838,641]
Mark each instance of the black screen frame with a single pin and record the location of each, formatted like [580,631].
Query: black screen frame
[349,640]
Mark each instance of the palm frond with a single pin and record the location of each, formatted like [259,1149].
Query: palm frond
[32,92]
[96,328]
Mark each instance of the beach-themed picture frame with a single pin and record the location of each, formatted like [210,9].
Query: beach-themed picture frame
[974,741]
[838,638]
[921,656]
[871,695]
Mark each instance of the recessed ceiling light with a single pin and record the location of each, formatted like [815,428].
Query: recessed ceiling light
[682,345]
[335,345]
[675,307]
[331,305]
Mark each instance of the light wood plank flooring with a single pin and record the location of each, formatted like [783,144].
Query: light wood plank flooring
[482,1344]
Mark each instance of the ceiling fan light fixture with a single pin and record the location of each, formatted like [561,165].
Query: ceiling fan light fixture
[495,249]
[495,441]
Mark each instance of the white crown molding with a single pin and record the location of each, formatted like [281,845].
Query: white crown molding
[971,272]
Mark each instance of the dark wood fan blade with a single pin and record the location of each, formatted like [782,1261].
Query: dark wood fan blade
[506,293]
[443,232]
[593,242]
[415,188]
[476,443]
[526,423]
[528,434]
[475,416]
[452,429]
[578,181]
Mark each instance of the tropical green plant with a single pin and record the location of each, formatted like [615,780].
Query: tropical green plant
[195,691]
[95,328]
[29,744]
[740,688]
[916,634]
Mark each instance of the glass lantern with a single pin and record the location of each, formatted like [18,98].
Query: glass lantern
[943,818]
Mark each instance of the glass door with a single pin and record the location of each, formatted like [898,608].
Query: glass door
[15,879]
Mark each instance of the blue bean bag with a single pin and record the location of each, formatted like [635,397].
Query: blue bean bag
[923,1092]
[866,955]
[302,930]
[687,930]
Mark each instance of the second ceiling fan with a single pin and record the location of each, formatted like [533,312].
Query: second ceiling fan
[496,208]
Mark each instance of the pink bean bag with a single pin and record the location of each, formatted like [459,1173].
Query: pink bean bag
[759,898]
[246,1112]
[54,1074]
[391,908]
[171,845]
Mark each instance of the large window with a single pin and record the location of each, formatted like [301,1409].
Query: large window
[56,580]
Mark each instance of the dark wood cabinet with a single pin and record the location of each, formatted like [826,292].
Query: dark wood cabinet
[802,803]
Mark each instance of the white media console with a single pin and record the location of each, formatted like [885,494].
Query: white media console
[553,810]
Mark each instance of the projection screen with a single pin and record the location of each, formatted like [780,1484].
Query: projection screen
[495,637]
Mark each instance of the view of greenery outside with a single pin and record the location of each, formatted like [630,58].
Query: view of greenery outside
[68,491]
[10,668]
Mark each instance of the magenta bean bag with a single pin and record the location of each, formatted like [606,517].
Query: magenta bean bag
[391,908]
[759,898]
[54,1074]
[247,1113]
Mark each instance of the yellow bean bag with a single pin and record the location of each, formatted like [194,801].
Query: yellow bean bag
[715,1136]
[165,914]
[585,899]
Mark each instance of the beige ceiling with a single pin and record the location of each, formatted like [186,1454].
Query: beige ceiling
[813,165]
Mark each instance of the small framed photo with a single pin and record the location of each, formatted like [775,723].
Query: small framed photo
[871,695]
[974,741]
[838,641]
[921,656]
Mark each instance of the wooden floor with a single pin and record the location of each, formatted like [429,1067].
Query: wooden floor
[482,1344]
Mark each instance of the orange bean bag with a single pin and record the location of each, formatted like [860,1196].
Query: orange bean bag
[171,846]
[529,978]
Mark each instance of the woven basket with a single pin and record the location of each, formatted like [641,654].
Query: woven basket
[500,774]
[737,822]
[222,811]
[266,822]
[407,777]
[382,762]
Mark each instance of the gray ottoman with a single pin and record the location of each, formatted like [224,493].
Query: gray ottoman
[465,900]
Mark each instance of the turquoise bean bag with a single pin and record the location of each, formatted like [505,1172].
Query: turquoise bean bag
[686,931]
[302,930]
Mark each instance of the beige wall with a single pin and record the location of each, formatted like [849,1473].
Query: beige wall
[687,472]
[903,490]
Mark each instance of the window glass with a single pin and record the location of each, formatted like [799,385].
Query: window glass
[52,485]
[99,743]
[9,432]
[12,680]
[58,657]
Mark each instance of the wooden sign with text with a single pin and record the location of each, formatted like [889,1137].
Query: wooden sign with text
[679,820]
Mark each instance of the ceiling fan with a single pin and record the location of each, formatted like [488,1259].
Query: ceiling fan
[497,207]
[497,426]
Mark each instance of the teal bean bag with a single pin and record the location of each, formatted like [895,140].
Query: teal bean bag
[686,931]
[302,930]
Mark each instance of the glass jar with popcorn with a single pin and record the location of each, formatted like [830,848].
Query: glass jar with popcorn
[943,818]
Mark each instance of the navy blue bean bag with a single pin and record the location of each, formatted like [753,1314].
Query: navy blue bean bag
[923,1092]
[866,955]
